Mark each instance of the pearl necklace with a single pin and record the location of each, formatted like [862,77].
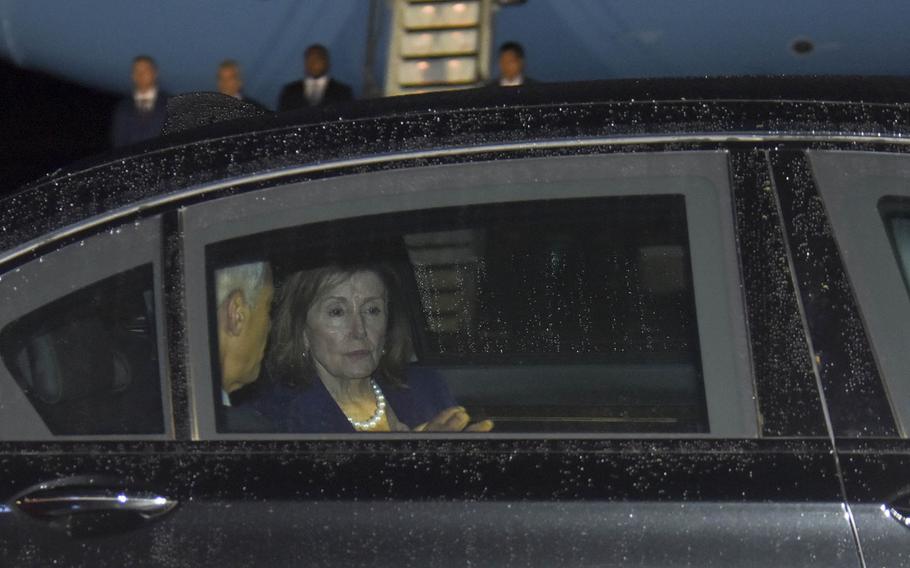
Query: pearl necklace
[377,416]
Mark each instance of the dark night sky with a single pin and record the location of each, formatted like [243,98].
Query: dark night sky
[47,123]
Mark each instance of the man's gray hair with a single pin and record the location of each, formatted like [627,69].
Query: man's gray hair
[248,278]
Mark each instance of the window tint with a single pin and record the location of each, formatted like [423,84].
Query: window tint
[88,362]
[557,279]
[552,315]
[584,308]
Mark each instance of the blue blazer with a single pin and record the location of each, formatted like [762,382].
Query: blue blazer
[313,410]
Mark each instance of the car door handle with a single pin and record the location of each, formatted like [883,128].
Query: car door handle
[87,506]
[899,509]
[145,505]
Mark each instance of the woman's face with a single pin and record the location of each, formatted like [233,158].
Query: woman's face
[346,326]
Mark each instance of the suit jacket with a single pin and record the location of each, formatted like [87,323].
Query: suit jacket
[312,409]
[131,125]
[243,419]
[241,415]
[495,83]
[292,95]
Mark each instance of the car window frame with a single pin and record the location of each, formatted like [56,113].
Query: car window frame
[109,252]
[852,185]
[331,198]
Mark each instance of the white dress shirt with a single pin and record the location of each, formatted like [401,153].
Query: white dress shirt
[516,82]
[314,89]
[145,101]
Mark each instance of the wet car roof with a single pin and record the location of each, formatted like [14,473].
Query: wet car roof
[857,89]
[869,90]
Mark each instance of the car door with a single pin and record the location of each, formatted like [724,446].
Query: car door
[84,371]
[860,310]
[628,320]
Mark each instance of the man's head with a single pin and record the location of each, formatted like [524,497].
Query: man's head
[316,61]
[244,295]
[511,60]
[145,73]
[229,80]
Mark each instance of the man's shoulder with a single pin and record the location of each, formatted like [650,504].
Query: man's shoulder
[161,102]
[337,91]
[338,84]
[297,84]
[124,104]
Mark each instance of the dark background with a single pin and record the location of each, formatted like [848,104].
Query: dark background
[47,123]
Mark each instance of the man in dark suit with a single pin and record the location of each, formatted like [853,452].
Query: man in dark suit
[317,88]
[141,116]
[243,294]
[511,66]
[230,81]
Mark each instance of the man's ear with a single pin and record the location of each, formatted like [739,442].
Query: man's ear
[238,313]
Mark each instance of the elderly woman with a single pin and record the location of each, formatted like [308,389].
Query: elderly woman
[339,348]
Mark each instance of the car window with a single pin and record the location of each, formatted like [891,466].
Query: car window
[586,305]
[867,195]
[80,340]
[563,315]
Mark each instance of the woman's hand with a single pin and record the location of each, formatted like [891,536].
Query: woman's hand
[454,419]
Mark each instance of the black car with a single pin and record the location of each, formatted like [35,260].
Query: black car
[682,305]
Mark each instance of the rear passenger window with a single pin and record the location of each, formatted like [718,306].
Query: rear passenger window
[603,302]
[88,361]
[80,341]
